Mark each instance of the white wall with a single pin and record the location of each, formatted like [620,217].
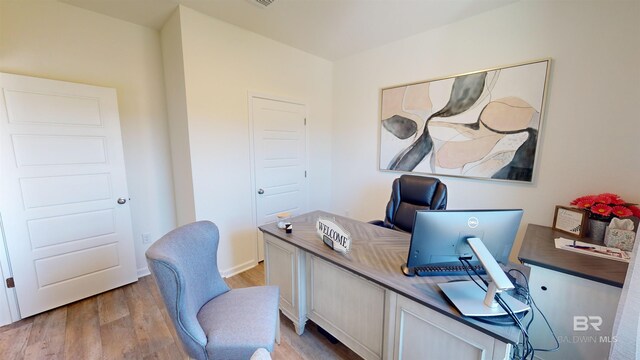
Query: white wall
[58,41]
[222,64]
[171,37]
[589,137]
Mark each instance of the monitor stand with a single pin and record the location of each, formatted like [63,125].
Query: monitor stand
[468,298]
[408,271]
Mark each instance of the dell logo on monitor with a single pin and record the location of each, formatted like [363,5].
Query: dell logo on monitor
[473,222]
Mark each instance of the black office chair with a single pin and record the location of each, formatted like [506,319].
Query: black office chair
[411,193]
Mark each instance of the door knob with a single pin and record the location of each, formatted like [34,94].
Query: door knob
[260,191]
[122,201]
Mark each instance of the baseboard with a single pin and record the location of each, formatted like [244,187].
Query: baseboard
[143,272]
[226,273]
[238,269]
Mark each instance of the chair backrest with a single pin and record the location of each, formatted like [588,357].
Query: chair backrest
[184,265]
[411,193]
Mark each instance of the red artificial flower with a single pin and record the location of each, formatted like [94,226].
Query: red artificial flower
[588,198]
[604,198]
[611,195]
[584,203]
[606,205]
[618,201]
[601,209]
[621,211]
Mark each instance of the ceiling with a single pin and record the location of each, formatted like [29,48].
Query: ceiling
[331,29]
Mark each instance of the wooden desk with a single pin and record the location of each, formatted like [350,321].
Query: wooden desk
[364,300]
[566,285]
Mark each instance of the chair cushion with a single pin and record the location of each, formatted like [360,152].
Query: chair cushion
[240,321]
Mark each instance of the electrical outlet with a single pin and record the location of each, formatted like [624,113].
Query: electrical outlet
[146,238]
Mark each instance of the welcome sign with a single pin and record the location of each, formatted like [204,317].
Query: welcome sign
[333,235]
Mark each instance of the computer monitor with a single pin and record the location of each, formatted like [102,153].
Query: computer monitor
[440,237]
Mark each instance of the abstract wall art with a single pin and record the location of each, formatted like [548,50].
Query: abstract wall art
[482,125]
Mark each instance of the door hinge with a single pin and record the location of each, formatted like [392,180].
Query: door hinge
[305,121]
[10,283]
[305,173]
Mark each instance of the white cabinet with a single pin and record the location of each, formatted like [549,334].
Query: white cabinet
[563,297]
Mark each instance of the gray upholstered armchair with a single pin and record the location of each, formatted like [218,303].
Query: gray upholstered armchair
[212,321]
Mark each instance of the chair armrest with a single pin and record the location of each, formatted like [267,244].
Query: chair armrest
[380,223]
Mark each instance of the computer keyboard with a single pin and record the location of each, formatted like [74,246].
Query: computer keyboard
[447,270]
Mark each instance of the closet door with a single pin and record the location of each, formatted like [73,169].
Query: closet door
[279,157]
[63,192]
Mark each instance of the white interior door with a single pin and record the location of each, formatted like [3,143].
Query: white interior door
[62,178]
[279,144]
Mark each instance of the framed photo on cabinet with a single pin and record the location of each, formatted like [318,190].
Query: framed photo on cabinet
[570,220]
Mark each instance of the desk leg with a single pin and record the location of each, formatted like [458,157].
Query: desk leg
[300,326]
[285,268]
[390,301]
[278,329]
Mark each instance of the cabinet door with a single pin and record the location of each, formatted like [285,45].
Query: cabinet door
[349,307]
[424,333]
[564,299]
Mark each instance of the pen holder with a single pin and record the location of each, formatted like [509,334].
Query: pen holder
[283,219]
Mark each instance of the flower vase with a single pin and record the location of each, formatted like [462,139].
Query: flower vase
[597,229]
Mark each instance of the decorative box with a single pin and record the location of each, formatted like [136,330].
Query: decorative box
[621,239]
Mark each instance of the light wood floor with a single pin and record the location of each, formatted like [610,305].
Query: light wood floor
[131,323]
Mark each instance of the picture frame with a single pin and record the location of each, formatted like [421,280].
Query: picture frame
[570,220]
[482,125]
